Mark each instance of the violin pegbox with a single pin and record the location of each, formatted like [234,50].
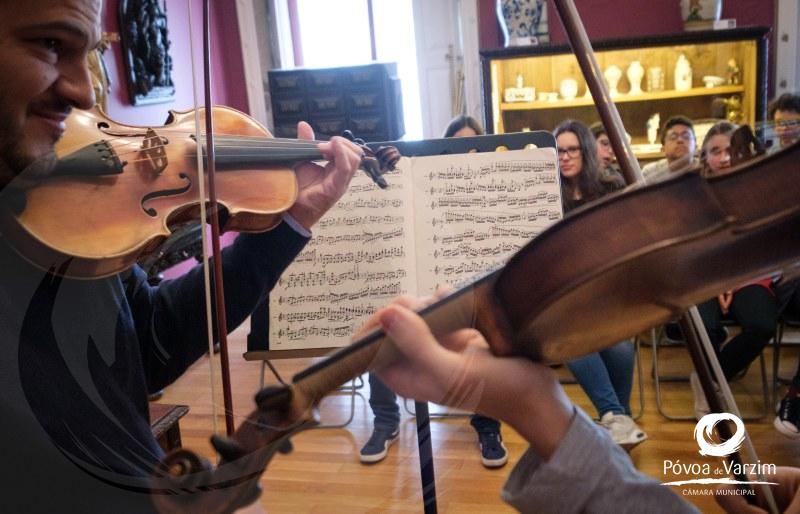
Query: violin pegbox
[375,164]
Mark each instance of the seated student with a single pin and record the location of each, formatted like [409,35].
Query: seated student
[384,402]
[678,144]
[606,376]
[787,421]
[572,466]
[605,153]
[785,112]
[753,306]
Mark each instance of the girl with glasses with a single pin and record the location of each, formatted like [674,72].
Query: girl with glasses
[581,178]
[605,376]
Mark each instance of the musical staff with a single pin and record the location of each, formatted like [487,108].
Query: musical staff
[445,219]
[477,214]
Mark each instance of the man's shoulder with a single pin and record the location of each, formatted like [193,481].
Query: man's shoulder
[655,171]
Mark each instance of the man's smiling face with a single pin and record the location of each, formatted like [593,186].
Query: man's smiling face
[44,45]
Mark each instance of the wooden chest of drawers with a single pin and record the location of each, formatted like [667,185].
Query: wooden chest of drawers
[364,99]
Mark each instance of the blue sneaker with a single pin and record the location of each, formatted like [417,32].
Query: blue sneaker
[493,451]
[378,445]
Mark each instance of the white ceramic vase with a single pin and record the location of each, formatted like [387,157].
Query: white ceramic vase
[635,75]
[568,89]
[612,76]
[524,22]
[683,74]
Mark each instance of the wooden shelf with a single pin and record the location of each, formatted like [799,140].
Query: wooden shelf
[661,95]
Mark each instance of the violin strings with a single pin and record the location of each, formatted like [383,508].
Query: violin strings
[272,158]
[277,140]
[280,151]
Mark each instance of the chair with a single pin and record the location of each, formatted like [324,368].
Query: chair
[657,335]
[785,321]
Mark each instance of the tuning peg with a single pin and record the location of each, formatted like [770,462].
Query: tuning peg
[227,448]
[347,134]
[274,397]
[286,447]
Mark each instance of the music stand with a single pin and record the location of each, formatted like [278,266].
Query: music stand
[259,321]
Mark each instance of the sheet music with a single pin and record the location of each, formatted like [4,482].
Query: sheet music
[474,211]
[361,255]
[444,219]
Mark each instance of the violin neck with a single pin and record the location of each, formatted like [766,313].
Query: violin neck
[453,312]
[241,153]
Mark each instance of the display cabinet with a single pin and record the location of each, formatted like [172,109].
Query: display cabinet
[365,99]
[535,88]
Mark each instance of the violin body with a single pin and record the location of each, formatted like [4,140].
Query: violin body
[639,258]
[97,222]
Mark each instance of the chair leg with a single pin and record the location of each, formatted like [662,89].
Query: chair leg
[352,388]
[657,379]
[638,346]
[777,380]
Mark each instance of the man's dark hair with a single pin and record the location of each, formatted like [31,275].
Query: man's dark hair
[675,120]
[598,129]
[785,102]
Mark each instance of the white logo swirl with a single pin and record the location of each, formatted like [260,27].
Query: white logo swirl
[705,428]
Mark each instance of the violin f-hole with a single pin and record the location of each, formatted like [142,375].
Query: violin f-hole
[150,211]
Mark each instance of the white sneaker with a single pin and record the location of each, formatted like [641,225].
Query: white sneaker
[624,431]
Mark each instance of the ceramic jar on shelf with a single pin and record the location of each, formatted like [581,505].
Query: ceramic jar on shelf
[612,76]
[683,74]
[568,89]
[524,22]
[635,75]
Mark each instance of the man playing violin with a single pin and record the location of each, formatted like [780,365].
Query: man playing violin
[78,357]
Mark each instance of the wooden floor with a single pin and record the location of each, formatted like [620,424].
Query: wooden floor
[323,474]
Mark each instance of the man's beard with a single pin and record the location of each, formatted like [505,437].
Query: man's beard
[20,170]
[15,165]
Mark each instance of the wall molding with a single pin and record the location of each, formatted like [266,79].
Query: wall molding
[253,74]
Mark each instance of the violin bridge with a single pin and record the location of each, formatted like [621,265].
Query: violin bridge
[153,147]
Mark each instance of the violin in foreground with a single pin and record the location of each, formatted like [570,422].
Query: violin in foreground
[117,190]
[647,254]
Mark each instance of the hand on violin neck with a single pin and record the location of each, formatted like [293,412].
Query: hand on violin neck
[321,187]
[459,370]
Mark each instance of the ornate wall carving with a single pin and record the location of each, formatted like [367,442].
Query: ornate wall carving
[145,51]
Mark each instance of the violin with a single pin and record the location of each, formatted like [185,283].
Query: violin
[118,191]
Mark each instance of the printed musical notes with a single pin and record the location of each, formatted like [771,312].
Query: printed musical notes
[361,256]
[475,210]
[444,219]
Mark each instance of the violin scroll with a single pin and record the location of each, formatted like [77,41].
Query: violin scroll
[375,164]
[745,145]
[185,482]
